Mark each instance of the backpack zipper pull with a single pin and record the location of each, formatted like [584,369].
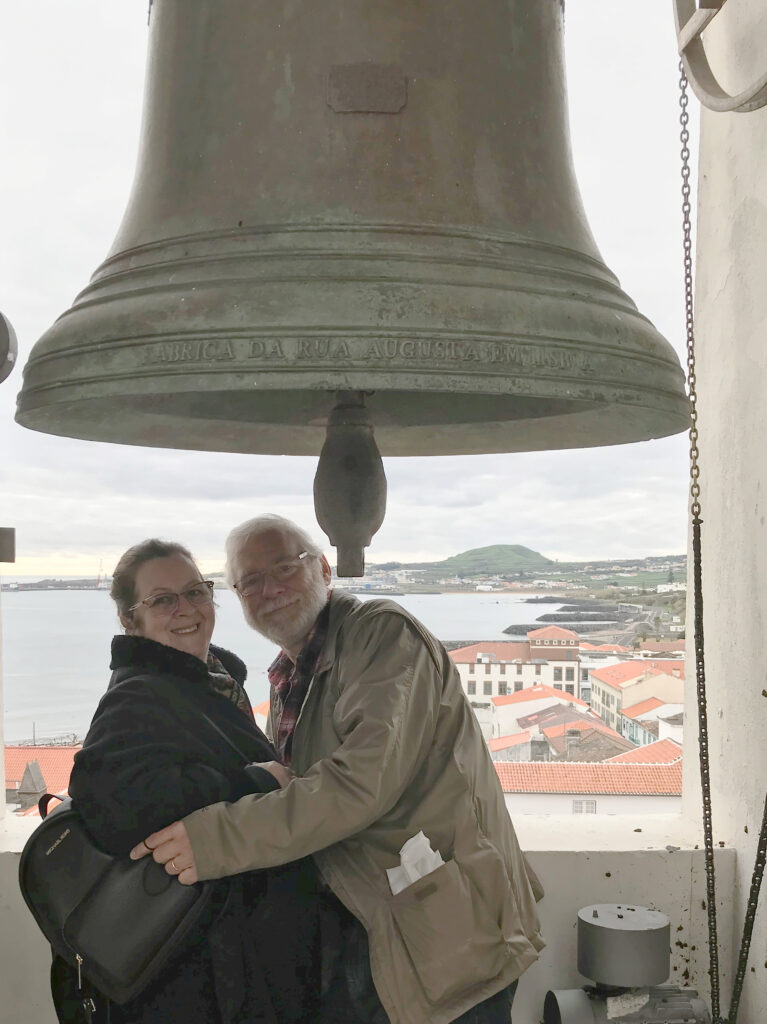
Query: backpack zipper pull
[79,960]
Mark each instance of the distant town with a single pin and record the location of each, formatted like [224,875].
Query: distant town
[582,708]
[618,601]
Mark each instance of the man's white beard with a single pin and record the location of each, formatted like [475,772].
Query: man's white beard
[290,629]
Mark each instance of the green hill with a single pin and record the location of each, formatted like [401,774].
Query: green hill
[497,558]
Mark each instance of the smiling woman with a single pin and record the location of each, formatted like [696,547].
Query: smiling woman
[173,605]
[174,732]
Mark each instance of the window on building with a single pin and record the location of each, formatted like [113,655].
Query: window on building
[503,668]
[471,688]
[471,669]
[584,807]
[517,685]
[570,675]
[570,688]
[537,670]
[557,686]
[502,689]
[487,689]
[558,675]
[487,668]
[546,643]
[584,675]
[519,670]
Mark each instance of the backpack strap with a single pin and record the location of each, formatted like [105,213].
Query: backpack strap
[45,799]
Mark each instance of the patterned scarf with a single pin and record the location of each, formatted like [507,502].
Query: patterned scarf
[221,682]
[290,683]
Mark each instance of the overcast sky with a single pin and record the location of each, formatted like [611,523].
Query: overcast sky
[70,96]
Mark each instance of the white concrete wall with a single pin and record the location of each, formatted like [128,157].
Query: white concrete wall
[667,731]
[604,861]
[672,882]
[25,956]
[562,803]
[731,334]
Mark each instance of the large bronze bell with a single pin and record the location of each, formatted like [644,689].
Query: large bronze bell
[365,196]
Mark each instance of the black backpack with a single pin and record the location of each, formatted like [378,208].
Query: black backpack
[114,920]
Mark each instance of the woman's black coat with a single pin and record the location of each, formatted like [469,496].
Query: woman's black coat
[162,744]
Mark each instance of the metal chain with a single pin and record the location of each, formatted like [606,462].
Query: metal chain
[700,669]
[748,924]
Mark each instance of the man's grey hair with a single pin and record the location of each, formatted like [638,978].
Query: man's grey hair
[245,532]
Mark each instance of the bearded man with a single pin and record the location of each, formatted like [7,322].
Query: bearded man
[378,744]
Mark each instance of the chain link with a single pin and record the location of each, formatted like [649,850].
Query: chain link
[700,668]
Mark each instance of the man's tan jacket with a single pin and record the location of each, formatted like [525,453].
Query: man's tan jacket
[386,746]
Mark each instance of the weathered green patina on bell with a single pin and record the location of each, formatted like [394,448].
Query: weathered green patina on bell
[368,195]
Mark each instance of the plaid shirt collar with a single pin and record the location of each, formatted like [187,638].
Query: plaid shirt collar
[290,683]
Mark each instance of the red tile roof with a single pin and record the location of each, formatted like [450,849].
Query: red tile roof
[537,692]
[55,765]
[613,648]
[500,650]
[551,731]
[581,778]
[554,714]
[663,646]
[637,710]
[504,742]
[552,633]
[617,675]
[668,666]
[625,671]
[663,752]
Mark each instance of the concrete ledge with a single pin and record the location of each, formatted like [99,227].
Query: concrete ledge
[14,832]
[627,832]
[603,870]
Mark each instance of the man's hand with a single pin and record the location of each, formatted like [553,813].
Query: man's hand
[281,772]
[171,847]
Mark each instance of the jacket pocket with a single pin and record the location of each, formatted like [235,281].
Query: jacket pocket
[451,937]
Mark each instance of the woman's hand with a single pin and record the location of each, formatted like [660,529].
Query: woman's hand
[171,847]
[281,772]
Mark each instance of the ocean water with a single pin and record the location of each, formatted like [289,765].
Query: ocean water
[55,648]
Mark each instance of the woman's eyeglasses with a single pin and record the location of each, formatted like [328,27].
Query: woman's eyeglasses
[167,603]
[255,582]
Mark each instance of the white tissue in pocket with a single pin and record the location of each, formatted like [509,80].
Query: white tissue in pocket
[416,860]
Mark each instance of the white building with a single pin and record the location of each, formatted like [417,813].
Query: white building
[496,668]
[641,723]
[628,683]
[564,787]
[506,711]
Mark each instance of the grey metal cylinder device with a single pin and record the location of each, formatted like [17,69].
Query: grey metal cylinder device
[625,949]
[622,944]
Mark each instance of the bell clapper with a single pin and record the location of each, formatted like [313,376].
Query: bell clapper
[350,483]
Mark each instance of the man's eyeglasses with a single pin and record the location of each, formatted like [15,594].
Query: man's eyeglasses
[255,582]
[167,603]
